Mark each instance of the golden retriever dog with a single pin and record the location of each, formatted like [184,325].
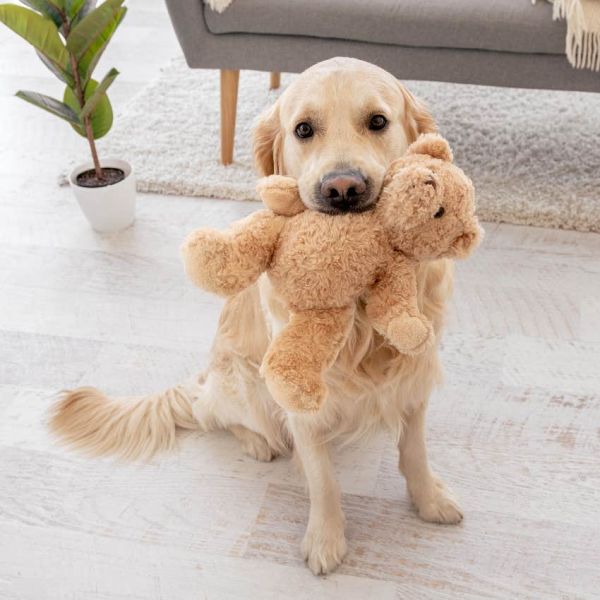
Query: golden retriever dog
[335,129]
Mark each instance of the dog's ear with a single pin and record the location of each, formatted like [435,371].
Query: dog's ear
[417,118]
[267,142]
[431,144]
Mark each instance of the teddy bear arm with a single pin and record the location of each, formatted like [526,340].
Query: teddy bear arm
[281,195]
[227,262]
[394,293]
[393,309]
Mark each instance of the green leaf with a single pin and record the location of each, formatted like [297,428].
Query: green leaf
[63,75]
[98,93]
[90,59]
[56,107]
[101,116]
[72,7]
[84,34]
[88,6]
[48,9]
[39,31]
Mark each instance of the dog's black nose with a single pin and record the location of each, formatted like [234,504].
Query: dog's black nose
[343,189]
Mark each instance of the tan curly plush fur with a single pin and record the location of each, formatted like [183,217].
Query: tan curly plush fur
[320,264]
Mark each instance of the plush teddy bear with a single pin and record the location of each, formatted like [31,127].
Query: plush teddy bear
[321,264]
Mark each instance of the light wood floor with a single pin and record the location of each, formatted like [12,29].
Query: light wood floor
[515,430]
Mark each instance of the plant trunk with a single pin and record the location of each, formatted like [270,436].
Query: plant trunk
[87,121]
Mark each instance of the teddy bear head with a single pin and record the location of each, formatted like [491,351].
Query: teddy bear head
[428,204]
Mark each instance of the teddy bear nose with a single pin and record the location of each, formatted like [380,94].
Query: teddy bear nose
[343,187]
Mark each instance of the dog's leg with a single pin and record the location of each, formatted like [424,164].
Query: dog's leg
[324,544]
[254,444]
[432,498]
[222,402]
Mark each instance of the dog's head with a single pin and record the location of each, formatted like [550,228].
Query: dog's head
[336,129]
[428,203]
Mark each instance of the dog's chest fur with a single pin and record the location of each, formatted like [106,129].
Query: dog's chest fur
[325,261]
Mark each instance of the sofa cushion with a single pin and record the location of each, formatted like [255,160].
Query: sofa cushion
[502,25]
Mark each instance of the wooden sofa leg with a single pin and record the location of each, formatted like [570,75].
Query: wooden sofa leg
[229,95]
[275,80]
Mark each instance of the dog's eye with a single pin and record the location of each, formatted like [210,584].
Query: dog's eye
[440,213]
[377,122]
[304,130]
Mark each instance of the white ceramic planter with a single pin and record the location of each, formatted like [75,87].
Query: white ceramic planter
[109,208]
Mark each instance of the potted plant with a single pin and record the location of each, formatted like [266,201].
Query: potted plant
[70,36]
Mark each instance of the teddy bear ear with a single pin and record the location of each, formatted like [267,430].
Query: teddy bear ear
[433,145]
[281,195]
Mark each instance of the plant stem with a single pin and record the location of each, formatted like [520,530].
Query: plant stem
[87,121]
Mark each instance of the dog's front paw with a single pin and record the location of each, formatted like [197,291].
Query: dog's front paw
[410,335]
[437,504]
[324,547]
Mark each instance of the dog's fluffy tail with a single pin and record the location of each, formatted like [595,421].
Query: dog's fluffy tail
[132,428]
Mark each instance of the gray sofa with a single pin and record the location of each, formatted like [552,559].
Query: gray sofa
[489,42]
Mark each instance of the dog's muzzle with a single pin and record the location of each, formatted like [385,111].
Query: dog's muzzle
[343,191]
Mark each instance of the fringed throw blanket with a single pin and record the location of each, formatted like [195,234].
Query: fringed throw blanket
[583,31]
[218,5]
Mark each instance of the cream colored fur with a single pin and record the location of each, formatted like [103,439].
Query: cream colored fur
[372,384]
[320,264]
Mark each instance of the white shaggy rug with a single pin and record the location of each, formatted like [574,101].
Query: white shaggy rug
[534,155]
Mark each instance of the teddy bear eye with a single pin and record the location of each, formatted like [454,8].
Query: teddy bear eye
[440,213]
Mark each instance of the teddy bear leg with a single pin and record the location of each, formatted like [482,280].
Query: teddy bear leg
[294,364]
[410,334]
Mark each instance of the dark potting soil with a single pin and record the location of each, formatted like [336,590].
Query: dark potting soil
[111,176]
